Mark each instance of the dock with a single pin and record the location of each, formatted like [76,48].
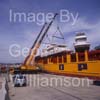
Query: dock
[39,88]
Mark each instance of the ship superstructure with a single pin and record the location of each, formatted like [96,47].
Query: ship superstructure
[81,63]
[81,43]
[54,49]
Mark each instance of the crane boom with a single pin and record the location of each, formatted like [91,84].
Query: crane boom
[35,43]
[47,28]
[38,42]
[38,35]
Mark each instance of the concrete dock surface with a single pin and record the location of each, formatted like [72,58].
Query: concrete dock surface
[46,87]
[3,89]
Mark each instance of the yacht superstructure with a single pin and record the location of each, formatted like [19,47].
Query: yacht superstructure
[81,43]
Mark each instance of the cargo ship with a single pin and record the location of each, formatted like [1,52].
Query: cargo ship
[56,58]
[82,62]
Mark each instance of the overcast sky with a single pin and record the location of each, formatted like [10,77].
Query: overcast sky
[24,33]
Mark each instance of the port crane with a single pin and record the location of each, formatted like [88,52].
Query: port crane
[29,63]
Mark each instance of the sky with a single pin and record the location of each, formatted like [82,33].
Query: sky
[86,12]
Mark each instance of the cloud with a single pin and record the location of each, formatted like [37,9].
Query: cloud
[92,31]
[94,35]
[29,35]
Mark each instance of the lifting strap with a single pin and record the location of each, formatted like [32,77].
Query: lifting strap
[61,34]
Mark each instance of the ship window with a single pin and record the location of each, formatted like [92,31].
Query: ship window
[44,60]
[38,60]
[49,59]
[81,57]
[73,57]
[64,58]
[54,59]
[81,40]
[94,55]
[98,56]
[61,67]
[60,59]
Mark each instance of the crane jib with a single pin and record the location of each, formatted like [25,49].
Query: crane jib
[47,28]
[38,36]
[37,42]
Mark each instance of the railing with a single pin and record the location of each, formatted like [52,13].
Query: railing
[74,57]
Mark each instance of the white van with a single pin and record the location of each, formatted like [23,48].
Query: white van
[19,80]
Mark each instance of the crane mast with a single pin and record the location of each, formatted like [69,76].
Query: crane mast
[34,43]
[37,43]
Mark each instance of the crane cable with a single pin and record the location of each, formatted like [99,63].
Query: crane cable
[62,36]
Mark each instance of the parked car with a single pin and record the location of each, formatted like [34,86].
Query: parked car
[19,80]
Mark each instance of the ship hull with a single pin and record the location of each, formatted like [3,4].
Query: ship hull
[85,64]
[88,69]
